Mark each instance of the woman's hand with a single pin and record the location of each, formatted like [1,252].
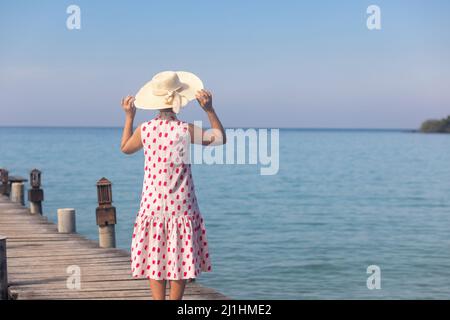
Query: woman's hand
[129,107]
[131,142]
[204,98]
[217,135]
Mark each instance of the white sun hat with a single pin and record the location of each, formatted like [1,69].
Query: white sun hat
[168,89]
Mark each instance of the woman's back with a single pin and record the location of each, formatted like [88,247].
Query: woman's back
[169,227]
[168,183]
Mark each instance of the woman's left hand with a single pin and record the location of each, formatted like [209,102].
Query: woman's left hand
[128,106]
[204,98]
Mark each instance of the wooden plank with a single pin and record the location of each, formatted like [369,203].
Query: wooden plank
[138,291]
[120,295]
[17,253]
[87,257]
[141,290]
[63,271]
[38,257]
[93,276]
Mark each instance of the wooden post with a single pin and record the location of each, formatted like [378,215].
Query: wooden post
[4,187]
[35,194]
[17,192]
[3,270]
[107,236]
[36,207]
[106,215]
[66,220]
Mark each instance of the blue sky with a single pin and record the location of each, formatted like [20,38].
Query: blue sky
[269,63]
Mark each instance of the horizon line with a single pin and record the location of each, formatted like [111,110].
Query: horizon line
[230,127]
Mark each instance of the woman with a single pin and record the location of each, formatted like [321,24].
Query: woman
[169,239]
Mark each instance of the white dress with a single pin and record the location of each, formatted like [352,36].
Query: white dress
[169,239]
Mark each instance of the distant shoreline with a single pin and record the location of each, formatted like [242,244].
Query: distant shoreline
[436,126]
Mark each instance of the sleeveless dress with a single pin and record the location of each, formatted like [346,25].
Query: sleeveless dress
[169,238]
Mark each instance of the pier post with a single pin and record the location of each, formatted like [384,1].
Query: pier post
[4,189]
[105,215]
[66,220]
[17,192]
[35,194]
[3,270]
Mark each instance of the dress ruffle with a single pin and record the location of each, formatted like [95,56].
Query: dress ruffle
[169,247]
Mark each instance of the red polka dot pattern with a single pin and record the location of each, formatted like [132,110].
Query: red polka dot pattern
[169,238]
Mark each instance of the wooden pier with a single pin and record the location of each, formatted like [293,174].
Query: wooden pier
[45,264]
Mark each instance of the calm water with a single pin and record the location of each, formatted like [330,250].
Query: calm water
[343,200]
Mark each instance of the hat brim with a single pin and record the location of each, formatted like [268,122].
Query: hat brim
[145,99]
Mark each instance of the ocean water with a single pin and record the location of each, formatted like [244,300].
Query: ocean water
[343,200]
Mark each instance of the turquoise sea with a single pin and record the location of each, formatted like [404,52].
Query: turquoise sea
[342,200]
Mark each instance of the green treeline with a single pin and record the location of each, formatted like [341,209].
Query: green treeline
[436,126]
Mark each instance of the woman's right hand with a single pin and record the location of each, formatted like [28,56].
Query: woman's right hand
[128,106]
[204,98]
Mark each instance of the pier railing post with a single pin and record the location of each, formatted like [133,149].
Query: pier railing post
[4,189]
[106,215]
[35,194]
[66,220]
[17,192]
[3,270]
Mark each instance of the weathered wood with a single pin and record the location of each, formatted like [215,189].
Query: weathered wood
[87,269]
[4,178]
[39,257]
[3,270]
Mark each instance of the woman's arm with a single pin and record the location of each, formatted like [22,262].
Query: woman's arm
[214,136]
[131,142]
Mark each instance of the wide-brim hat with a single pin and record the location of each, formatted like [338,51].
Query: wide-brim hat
[168,89]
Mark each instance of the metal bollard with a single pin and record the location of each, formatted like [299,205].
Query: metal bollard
[105,215]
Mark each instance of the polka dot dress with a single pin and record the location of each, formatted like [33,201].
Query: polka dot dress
[169,237]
